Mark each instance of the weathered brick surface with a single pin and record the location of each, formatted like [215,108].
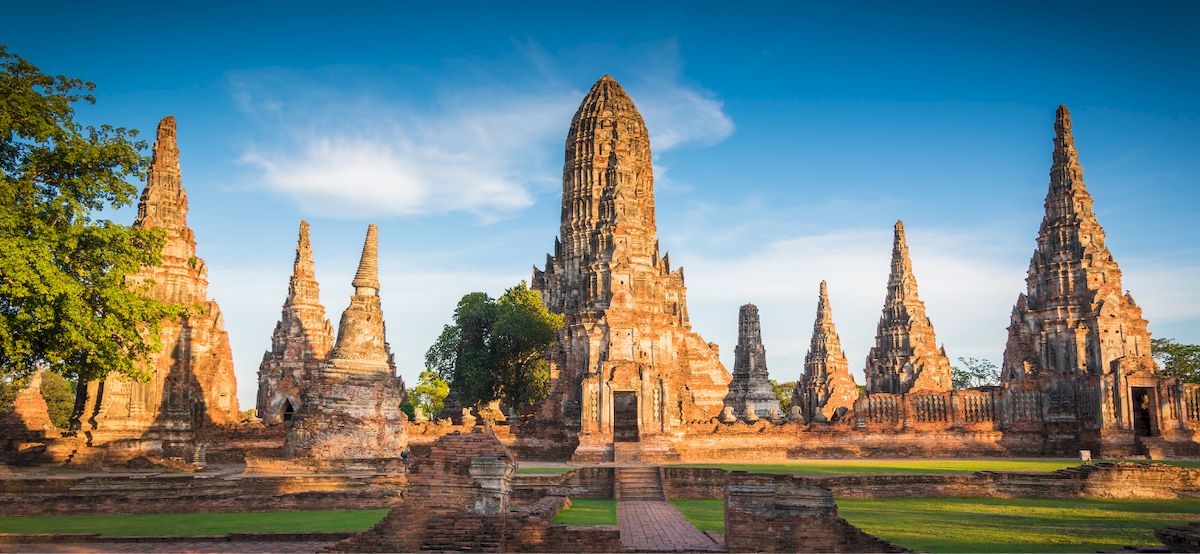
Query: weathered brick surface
[457,500]
[778,513]
[193,383]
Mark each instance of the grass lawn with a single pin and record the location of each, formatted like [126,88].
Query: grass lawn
[908,467]
[705,514]
[552,470]
[196,524]
[589,511]
[1016,525]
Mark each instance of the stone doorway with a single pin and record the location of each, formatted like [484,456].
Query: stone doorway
[288,410]
[625,416]
[1143,411]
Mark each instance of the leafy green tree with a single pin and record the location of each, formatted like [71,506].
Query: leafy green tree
[59,394]
[975,372]
[430,393]
[64,302]
[1177,359]
[783,391]
[495,349]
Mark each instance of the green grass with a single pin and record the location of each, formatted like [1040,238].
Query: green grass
[1016,525]
[908,467]
[553,470]
[196,524]
[589,511]
[705,514]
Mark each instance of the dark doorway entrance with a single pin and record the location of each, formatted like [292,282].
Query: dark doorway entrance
[288,410]
[625,417]
[1143,411]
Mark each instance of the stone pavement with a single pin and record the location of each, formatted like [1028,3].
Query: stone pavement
[656,526]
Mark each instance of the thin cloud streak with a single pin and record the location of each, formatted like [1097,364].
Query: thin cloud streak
[480,149]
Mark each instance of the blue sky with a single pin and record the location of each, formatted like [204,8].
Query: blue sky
[788,138]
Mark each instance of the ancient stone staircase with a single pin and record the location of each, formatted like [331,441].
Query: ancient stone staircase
[639,483]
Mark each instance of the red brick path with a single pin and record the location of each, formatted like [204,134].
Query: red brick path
[656,526]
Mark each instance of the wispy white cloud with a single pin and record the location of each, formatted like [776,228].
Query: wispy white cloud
[342,142]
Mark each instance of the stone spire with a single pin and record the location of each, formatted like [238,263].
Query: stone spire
[751,386]
[625,309]
[1075,318]
[164,202]
[301,342]
[826,385]
[906,357]
[366,280]
[193,381]
[351,410]
[361,332]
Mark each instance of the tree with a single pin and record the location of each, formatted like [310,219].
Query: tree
[59,394]
[975,372]
[430,393]
[495,349]
[64,302]
[783,391]
[1177,359]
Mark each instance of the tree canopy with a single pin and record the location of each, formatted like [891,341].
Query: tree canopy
[430,393]
[64,301]
[975,372]
[495,348]
[1177,359]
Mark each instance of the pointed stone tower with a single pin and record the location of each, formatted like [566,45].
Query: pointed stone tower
[626,363]
[351,411]
[1075,320]
[826,388]
[300,344]
[906,357]
[751,386]
[193,383]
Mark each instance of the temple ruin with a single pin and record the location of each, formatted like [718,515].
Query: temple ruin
[300,344]
[906,357]
[826,391]
[1076,335]
[193,383]
[626,367]
[351,411]
[750,392]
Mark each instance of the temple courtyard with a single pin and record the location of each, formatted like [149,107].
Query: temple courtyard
[584,409]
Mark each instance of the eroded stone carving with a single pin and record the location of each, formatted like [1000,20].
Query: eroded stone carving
[626,321]
[906,357]
[193,383]
[826,384]
[351,411]
[751,387]
[300,344]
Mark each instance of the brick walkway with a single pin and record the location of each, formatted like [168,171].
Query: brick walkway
[656,526]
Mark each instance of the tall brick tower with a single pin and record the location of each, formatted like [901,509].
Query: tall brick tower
[193,382]
[626,366]
[1076,334]
[300,344]
[906,357]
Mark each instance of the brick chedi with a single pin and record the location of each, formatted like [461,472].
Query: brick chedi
[351,411]
[751,386]
[626,357]
[826,389]
[300,343]
[192,382]
[906,357]
[28,420]
[1075,332]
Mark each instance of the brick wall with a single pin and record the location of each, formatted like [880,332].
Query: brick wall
[779,513]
